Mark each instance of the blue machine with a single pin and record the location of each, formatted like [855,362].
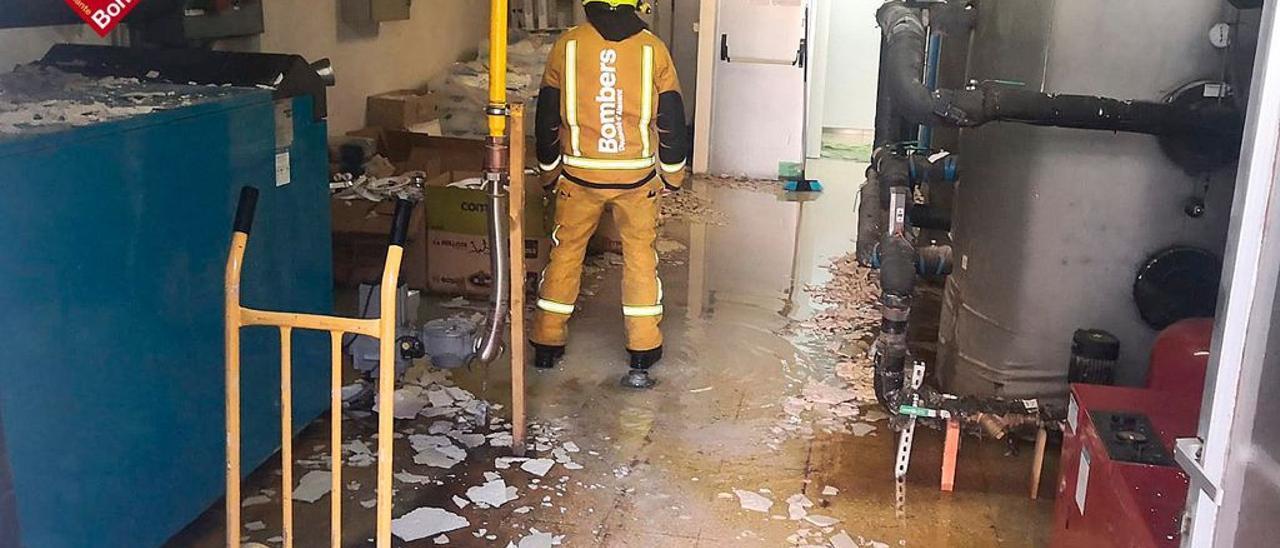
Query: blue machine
[111,304]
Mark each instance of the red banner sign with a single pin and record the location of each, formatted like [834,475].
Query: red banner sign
[102,15]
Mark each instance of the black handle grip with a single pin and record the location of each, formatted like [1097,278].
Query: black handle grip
[245,210]
[400,223]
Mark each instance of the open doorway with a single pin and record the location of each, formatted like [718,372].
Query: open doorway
[842,86]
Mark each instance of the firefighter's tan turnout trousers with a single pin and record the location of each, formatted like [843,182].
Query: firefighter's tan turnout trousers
[578,212]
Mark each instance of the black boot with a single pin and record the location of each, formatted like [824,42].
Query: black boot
[546,357]
[641,362]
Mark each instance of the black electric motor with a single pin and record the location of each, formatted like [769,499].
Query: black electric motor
[1094,355]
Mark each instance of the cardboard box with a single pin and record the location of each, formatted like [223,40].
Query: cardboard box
[458,252]
[402,109]
[360,233]
[447,250]
[459,263]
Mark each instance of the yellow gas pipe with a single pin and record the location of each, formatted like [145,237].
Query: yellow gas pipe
[496,176]
[497,111]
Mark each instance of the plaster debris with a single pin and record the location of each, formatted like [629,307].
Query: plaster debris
[492,494]
[313,486]
[667,246]
[254,501]
[438,458]
[254,526]
[796,512]
[460,502]
[358,453]
[801,500]
[471,441]
[537,539]
[821,521]
[351,391]
[371,503]
[843,540]
[501,439]
[829,491]
[409,401]
[432,412]
[439,398]
[426,522]
[538,467]
[442,539]
[422,442]
[406,477]
[753,501]
[571,447]
[825,394]
[523,510]
[504,463]
[861,429]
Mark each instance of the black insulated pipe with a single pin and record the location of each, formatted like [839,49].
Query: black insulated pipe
[934,260]
[871,220]
[892,170]
[930,218]
[245,210]
[904,36]
[902,66]
[400,222]
[897,285]
[888,125]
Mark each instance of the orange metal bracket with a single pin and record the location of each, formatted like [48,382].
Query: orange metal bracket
[950,452]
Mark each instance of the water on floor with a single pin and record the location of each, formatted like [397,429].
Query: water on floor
[676,465]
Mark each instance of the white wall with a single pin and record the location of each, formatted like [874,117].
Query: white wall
[853,60]
[393,55]
[21,46]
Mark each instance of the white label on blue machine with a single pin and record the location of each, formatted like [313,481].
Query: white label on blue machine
[283,176]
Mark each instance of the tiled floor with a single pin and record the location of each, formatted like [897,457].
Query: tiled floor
[667,457]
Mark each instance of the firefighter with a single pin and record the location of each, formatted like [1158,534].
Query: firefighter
[611,134]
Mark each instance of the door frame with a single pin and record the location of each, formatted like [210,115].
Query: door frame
[705,94]
[1216,460]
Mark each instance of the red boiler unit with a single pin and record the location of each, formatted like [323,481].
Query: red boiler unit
[1118,483]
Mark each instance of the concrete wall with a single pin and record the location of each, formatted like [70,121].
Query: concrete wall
[852,64]
[368,60]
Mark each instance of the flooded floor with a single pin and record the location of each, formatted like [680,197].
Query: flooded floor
[669,467]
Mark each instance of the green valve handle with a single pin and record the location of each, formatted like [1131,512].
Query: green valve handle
[917,411]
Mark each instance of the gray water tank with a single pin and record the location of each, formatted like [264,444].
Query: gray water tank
[1052,224]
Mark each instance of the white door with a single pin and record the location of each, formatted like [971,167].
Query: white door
[759,91]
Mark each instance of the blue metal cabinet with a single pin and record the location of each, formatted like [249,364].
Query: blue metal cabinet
[114,241]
